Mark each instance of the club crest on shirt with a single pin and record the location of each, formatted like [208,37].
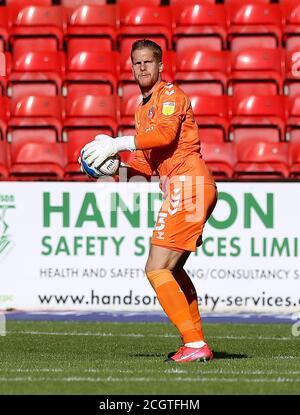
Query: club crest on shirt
[151,112]
[168,108]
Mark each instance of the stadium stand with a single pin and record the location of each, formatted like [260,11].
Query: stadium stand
[261,159]
[99,24]
[204,25]
[212,116]
[3,29]
[257,68]
[4,162]
[30,21]
[4,116]
[145,21]
[86,68]
[294,155]
[258,112]
[220,158]
[291,32]
[36,115]
[238,61]
[33,158]
[92,111]
[206,70]
[261,22]
[292,73]
[34,70]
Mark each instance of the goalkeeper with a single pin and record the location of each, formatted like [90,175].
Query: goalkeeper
[167,142]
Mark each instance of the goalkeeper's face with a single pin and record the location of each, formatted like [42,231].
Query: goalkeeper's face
[146,69]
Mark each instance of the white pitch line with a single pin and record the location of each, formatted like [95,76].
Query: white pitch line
[53,333]
[52,370]
[147,379]
[167,371]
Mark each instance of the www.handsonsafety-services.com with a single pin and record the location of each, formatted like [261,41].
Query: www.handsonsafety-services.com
[150,404]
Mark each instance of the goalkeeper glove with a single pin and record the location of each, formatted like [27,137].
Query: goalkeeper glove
[104,146]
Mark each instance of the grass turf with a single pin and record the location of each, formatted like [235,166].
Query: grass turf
[128,359]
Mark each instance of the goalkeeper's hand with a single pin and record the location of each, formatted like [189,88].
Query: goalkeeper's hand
[104,146]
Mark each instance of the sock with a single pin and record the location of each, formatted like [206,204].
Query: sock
[196,345]
[190,293]
[174,303]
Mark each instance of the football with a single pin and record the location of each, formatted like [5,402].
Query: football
[108,168]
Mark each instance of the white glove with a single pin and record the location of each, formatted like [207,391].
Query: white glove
[104,146]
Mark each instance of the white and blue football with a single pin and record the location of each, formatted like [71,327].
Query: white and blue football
[108,168]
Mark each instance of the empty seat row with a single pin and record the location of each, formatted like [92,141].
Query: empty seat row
[41,160]
[216,26]
[237,118]
[207,72]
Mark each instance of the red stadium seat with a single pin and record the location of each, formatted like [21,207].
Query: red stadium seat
[250,1]
[36,22]
[86,111]
[205,22]
[261,160]
[198,42]
[257,112]
[139,2]
[291,32]
[76,139]
[292,75]
[80,44]
[33,45]
[5,69]
[3,29]
[293,121]
[32,71]
[144,22]
[209,68]
[220,158]
[263,21]
[262,68]
[93,68]
[73,3]
[128,90]
[294,157]
[98,22]
[35,158]
[32,2]
[36,113]
[128,107]
[4,160]
[179,2]
[4,116]
[211,114]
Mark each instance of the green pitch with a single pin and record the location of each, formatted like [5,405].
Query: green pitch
[128,358]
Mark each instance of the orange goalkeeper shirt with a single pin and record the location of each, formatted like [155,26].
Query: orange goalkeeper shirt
[167,136]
